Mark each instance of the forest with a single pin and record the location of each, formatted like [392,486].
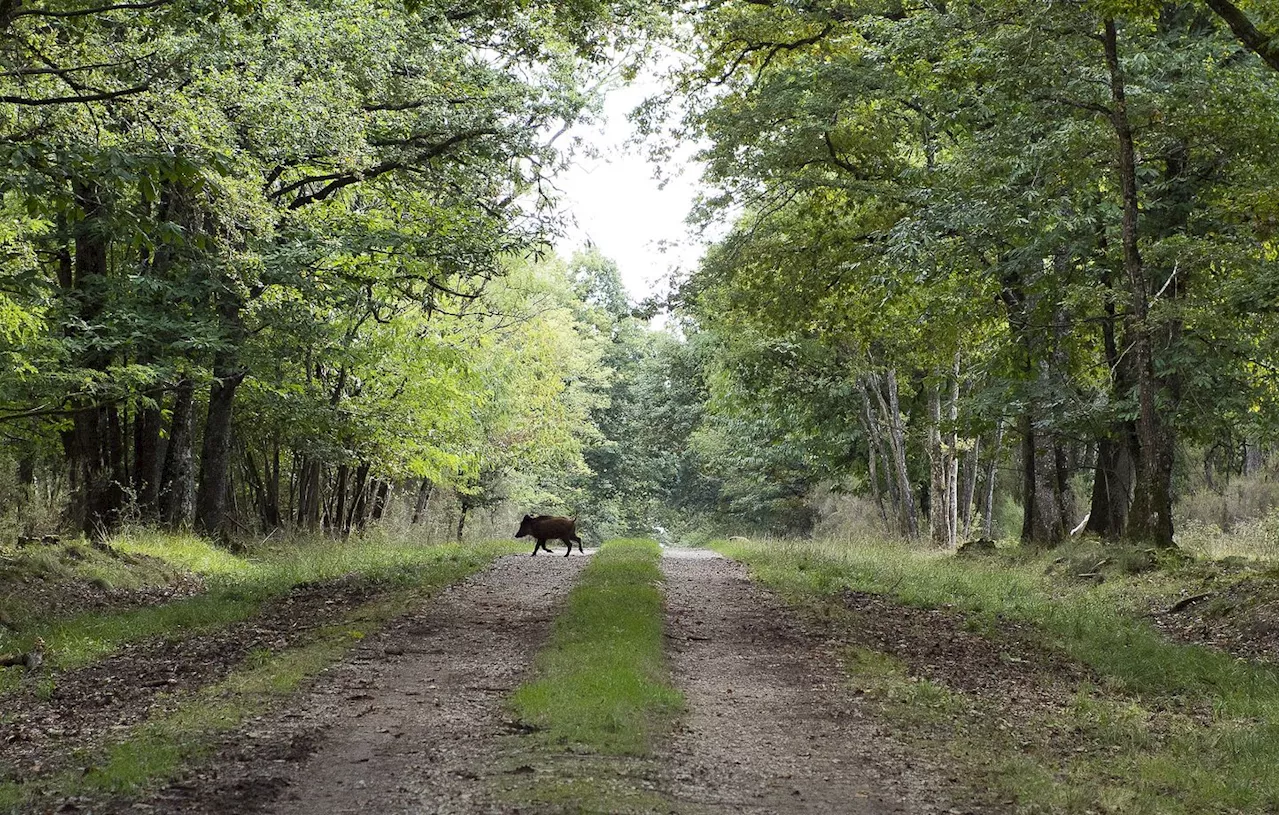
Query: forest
[945,480]
[988,270]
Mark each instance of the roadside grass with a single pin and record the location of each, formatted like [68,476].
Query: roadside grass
[192,724]
[600,695]
[1170,728]
[236,587]
[601,683]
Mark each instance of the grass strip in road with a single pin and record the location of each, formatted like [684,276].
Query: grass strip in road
[601,683]
[1171,729]
[600,696]
[194,723]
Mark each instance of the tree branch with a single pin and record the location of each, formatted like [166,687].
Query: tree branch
[68,100]
[85,12]
[1247,32]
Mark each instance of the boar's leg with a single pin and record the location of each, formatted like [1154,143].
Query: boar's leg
[570,542]
[539,543]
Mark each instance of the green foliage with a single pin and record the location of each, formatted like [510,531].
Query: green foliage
[314,201]
[911,188]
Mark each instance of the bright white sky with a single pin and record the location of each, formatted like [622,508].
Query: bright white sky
[614,200]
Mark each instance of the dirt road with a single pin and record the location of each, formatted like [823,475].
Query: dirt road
[771,724]
[414,721]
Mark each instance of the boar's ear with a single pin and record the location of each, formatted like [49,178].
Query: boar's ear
[527,518]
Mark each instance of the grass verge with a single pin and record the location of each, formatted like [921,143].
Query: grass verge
[1168,729]
[600,697]
[237,587]
[192,724]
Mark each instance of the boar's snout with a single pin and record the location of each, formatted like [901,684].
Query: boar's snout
[526,527]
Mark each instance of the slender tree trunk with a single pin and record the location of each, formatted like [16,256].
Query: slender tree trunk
[309,499]
[873,453]
[1047,528]
[424,496]
[989,488]
[1252,459]
[881,458]
[96,453]
[939,510]
[177,481]
[889,407]
[340,499]
[381,496]
[255,479]
[968,486]
[215,455]
[1065,499]
[359,499]
[1026,428]
[952,460]
[146,460]
[1114,468]
[271,507]
[1112,489]
[1151,516]
[462,519]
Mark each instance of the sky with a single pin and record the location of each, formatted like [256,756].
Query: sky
[615,202]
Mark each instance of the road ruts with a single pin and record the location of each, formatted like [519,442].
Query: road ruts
[418,731]
[771,725]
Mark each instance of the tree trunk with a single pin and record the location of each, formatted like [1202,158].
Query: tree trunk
[339,523]
[424,496]
[898,447]
[215,455]
[939,507]
[874,446]
[1112,490]
[177,484]
[1043,491]
[989,489]
[968,486]
[359,499]
[1151,516]
[1030,522]
[1252,458]
[1065,499]
[462,518]
[381,497]
[146,460]
[96,454]
[309,495]
[952,460]
[271,506]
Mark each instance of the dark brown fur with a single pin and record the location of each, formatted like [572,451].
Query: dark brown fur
[543,528]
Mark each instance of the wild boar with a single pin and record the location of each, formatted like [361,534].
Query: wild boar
[543,528]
